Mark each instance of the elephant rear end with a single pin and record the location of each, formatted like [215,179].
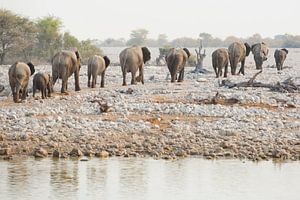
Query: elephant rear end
[42,82]
[280,56]
[220,59]
[97,66]
[19,74]
[64,64]
[176,60]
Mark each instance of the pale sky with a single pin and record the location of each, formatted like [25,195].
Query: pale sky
[101,19]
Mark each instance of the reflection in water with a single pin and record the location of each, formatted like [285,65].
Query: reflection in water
[120,178]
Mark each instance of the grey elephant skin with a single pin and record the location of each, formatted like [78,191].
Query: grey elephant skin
[220,60]
[237,54]
[176,60]
[133,59]
[19,75]
[97,66]
[64,64]
[42,82]
[280,56]
[260,52]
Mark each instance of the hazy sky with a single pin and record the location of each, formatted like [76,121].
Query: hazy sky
[100,19]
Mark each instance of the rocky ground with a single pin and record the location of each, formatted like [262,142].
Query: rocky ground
[158,119]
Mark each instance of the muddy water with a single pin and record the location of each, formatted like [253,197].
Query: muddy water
[120,178]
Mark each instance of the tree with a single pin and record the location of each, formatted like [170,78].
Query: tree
[69,41]
[138,37]
[87,49]
[184,42]
[15,33]
[162,40]
[49,37]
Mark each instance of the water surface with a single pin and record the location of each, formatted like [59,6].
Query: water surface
[121,178]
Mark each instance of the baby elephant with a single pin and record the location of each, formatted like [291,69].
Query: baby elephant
[19,74]
[97,66]
[220,59]
[42,82]
[280,56]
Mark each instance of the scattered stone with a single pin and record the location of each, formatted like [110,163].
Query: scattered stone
[56,154]
[40,153]
[76,153]
[5,151]
[102,154]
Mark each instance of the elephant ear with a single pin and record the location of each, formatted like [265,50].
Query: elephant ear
[107,61]
[77,54]
[253,46]
[285,50]
[146,54]
[187,52]
[248,48]
[31,66]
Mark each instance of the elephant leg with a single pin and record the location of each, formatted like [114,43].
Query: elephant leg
[54,78]
[89,79]
[33,90]
[141,73]
[133,74]
[64,85]
[49,90]
[102,79]
[76,76]
[216,72]
[94,81]
[242,69]
[226,70]
[124,71]
[43,91]
[181,75]
[24,93]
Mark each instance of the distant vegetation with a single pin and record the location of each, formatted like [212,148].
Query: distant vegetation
[38,40]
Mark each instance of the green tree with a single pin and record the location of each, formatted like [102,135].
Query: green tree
[49,36]
[138,37]
[16,33]
[87,49]
[110,42]
[69,41]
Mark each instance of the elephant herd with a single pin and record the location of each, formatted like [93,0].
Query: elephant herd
[132,59]
[237,53]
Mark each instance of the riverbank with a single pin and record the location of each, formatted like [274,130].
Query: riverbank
[158,119]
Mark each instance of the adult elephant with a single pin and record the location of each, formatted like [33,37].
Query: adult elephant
[280,56]
[260,52]
[19,74]
[238,53]
[97,66]
[64,64]
[220,59]
[133,59]
[176,60]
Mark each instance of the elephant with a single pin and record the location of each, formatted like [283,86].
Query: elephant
[64,64]
[97,66]
[42,82]
[19,74]
[133,59]
[176,60]
[220,60]
[280,56]
[260,52]
[238,53]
